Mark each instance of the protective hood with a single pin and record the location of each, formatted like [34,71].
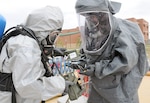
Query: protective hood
[96,23]
[2,25]
[97,5]
[44,21]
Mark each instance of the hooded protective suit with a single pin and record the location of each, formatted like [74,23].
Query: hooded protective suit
[117,56]
[21,56]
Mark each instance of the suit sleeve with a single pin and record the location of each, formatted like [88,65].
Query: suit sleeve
[124,59]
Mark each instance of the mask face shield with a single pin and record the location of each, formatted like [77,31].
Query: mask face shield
[52,38]
[95,27]
[50,41]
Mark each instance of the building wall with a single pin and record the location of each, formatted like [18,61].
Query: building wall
[145,28]
[69,38]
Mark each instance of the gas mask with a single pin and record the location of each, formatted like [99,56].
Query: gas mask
[49,42]
[95,28]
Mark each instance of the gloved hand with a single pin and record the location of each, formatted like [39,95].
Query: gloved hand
[78,64]
[89,70]
[67,84]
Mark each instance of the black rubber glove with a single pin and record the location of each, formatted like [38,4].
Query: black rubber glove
[89,70]
[78,64]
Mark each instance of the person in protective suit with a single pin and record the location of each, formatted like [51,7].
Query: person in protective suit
[21,56]
[114,52]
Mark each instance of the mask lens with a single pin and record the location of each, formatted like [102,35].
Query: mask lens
[52,37]
[49,42]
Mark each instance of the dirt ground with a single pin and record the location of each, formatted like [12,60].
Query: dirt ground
[144,90]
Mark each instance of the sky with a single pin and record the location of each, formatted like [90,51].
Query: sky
[16,11]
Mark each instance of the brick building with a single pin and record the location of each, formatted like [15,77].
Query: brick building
[144,25]
[69,38]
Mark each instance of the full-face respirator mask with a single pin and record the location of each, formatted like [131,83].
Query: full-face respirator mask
[49,42]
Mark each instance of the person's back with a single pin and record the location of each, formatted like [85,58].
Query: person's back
[21,56]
